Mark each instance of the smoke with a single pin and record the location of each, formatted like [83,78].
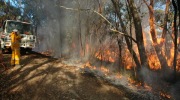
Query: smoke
[151,78]
[175,90]
[68,32]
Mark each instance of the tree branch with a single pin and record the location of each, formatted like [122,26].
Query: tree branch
[146,2]
[112,29]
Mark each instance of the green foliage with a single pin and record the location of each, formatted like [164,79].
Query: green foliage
[159,15]
[8,11]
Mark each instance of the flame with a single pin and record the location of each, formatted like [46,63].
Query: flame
[118,76]
[106,55]
[88,65]
[139,84]
[154,62]
[104,70]
[127,60]
[170,58]
[160,40]
[111,54]
[132,81]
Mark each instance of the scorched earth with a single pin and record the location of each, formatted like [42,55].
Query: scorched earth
[44,78]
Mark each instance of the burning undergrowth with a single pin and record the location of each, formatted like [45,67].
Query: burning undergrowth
[84,38]
[126,82]
[105,64]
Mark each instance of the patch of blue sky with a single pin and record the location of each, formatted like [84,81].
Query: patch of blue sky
[17,4]
[160,6]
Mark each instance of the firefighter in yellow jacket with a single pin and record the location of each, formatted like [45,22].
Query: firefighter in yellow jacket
[15,47]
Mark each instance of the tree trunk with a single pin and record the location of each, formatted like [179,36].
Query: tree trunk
[120,55]
[130,31]
[139,33]
[81,49]
[163,37]
[157,47]
[165,21]
[117,9]
[152,21]
[175,38]
[178,2]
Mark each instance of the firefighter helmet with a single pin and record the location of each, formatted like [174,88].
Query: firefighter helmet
[15,30]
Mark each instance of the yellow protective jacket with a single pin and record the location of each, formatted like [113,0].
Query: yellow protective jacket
[15,40]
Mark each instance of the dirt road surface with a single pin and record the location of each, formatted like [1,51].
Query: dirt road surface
[45,78]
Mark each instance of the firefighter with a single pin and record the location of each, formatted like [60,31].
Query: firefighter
[15,47]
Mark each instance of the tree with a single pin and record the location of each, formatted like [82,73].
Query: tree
[119,15]
[165,20]
[151,20]
[139,33]
[158,48]
[176,10]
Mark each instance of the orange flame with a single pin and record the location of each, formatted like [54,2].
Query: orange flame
[105,70]
[106,55]
[154,62]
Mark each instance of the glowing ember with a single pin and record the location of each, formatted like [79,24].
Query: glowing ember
[147,87]
[118,76]
[131,80]
[88,65]
[104,70]
[139,84]
[111,59]
[165,95]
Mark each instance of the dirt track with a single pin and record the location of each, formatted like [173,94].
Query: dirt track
[45,78]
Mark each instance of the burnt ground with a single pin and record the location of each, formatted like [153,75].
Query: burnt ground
[45,78]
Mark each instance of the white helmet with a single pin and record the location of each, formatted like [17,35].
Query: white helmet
[15,30]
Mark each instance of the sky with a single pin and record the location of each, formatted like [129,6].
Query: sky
[16,3]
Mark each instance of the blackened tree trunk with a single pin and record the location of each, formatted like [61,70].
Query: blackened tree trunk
[178,3]
[175,37]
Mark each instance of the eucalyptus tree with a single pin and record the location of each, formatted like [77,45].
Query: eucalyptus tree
[8,11]
[176,7]
[124,30]
[157,46]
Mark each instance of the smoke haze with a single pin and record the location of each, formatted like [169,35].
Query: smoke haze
[66,31]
